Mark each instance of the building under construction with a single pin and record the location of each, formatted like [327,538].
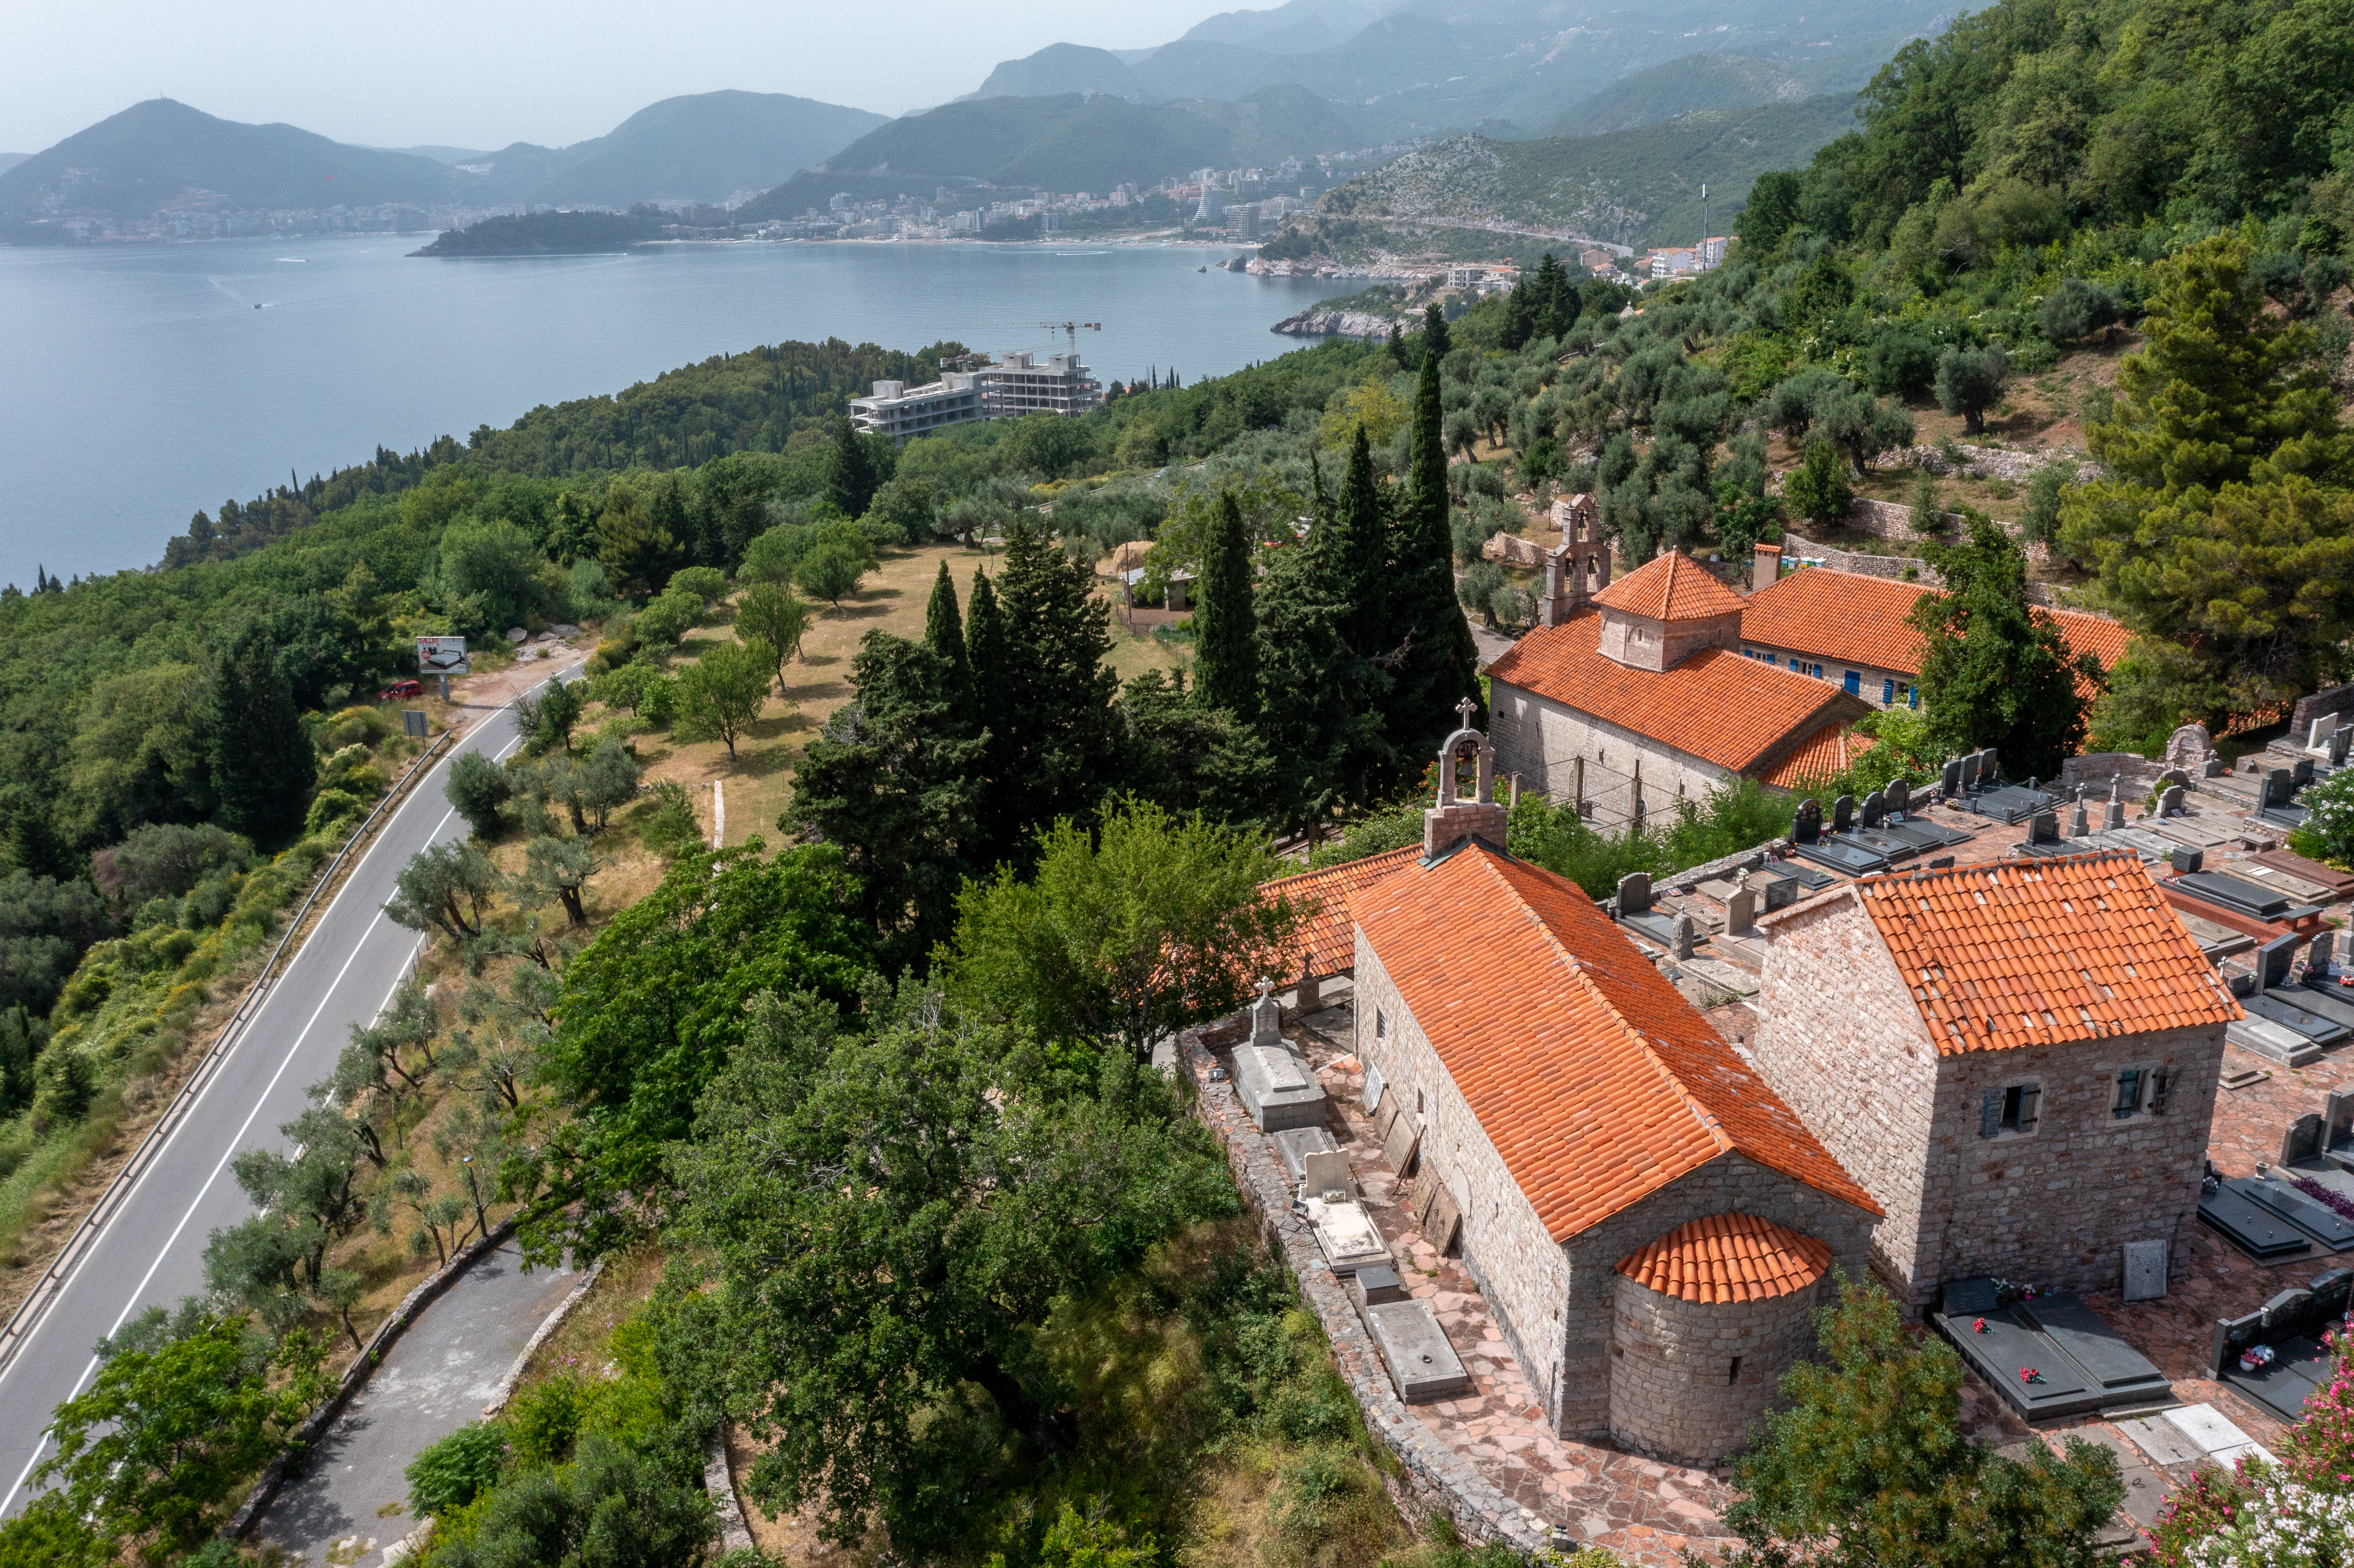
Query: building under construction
[1017,384]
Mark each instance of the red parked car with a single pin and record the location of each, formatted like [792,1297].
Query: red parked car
[401,689]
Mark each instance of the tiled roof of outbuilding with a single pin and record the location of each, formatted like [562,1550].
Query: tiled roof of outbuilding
[1328,936]
[1728,1258]
[1672,586]
[1825,754]
[1716,705]
[2036,952]
[1598,1083]
[1857,620]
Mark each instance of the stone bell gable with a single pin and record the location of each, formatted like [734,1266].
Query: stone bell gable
[2017,1061]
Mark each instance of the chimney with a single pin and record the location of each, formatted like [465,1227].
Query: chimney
[1767,567]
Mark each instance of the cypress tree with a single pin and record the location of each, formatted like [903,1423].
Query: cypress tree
[988,659]
[1056,705]
[262,763]
[944,635]
[1435,341]
[850,482]
[1225,629]
[1357,554]
[1441,665]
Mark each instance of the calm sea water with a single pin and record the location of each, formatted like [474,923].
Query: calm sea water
[138,384]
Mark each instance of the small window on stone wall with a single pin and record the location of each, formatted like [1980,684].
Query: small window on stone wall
[2131,1084]
[1381,1024]
[2011,1111]
[1734,1375]
[2161,1089]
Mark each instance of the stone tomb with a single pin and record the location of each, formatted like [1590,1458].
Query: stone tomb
[2049,1356]
[1295,1144]
[1421,1363]
[1346,1234]
[1275,1085]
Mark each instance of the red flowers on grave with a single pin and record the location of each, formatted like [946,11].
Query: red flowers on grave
[2028,1374]
[1978,1325]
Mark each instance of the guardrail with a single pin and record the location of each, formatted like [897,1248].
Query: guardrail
[44,1294]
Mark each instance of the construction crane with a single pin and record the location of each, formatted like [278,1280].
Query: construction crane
[1071,330]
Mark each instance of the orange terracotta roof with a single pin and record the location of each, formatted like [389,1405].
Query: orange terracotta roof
[1728,1257]
[2036,952]
[1717,706]
[1596,1080]
[1328,934]
[1672,586]
[1857,620]
[1825,754]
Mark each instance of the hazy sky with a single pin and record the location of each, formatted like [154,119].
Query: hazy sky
[483,73]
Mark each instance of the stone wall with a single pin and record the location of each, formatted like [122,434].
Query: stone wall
[1428,1480]
[1514,550]
[1893,520]
[1841,1040]
[2324,703]
[1688,1379]
[1892,569]
[1542,741]
[2095,769]
[1503,1242]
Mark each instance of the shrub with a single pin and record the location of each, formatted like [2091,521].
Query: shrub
[669,827]
[2327,831]
[477,788]
[668,618]
[1818,489]
[708,584]
[451,1473]
[164,860]
[2074,310]
[1901,362]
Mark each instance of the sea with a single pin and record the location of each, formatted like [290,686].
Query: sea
[138,384]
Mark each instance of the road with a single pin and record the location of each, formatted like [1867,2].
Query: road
[152,1250]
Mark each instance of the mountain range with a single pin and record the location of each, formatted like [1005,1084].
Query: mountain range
[704,147]
[1502,67]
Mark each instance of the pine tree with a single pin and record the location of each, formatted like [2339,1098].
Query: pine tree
[1439,665]
[1225,626]
[989,660]
[1397,352]
[262,763]
[1055,706]
[1435,341]
[1993,670]
[850,480]
[1520,317]
[944,635]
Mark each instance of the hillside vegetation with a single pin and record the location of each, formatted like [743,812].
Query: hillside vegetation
[546,234]
[1632,187]
[1680,87]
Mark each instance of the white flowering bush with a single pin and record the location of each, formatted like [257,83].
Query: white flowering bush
[2327,830]
[2281,1523]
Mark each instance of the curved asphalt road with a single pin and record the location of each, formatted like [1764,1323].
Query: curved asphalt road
[152,1252]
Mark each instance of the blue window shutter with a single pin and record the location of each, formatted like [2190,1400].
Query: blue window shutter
[1853,685]
[1914,699]
[1990,1113]
[1887,693]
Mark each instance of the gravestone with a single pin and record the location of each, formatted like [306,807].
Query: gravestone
[1969,772]
[2318,957]
[2173,775]
[2302,1141]
[1899,795]
[2079,825]
[2339,744]
[1634,893]
[1806,827]
[1371,1097]
[1401,1144]
[1875,810]
[1325,1174]
[2317,734]
[1294,1145]
[2170,800]
[1844,814]
[2113,817]
[1741,913]
[2337,1121]
[2301,774]
[2271,961]
[1989,769]
[2186,859]
[1266,1017]
[2144,1270]
[2278,788]
[1949,780]
[2213,768]
[1681,942]
[2043,828]
[2189,746]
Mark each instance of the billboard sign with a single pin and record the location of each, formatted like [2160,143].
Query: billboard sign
[441,656]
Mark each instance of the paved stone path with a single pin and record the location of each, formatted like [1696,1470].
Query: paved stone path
[344,1509]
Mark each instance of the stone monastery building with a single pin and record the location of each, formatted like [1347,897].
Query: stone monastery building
[2017,1060]
[1652,1224]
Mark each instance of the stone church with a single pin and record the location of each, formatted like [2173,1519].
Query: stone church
[1651,1223]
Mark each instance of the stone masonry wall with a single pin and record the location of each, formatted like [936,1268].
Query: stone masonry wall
[1730,1183]
[1504,1243]
[1841,1040]
[1429,1480]
[1894,568]
[1836,1039]
[1541,740]
[1688,1379]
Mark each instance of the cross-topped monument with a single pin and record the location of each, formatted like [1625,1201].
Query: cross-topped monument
[1455,818]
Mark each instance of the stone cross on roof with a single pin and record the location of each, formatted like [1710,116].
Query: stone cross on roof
[1466,707]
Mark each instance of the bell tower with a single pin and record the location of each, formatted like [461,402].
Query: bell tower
[1454,819]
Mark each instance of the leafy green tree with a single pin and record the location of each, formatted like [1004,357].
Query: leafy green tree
[164,1438]
[1744,520]
[772,613]
[721,694]
[708,583]
[1771,212]
[1994,671]
[477,788]
[890,1220]
[906,510]
[556,871]
[850,478]
[642,688]
[1186,756]
[386,1066]
[262,763]
[1970,382]
[1818,489]
[1147,925]
[1870,1465]
[894,780]
[609,1506]
[305,1203]
[46,926]
[446,888]
[649,1012]
[490,574]
[1225,626]
[667,618]
[637,553]
[48,1533]
[592,788]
